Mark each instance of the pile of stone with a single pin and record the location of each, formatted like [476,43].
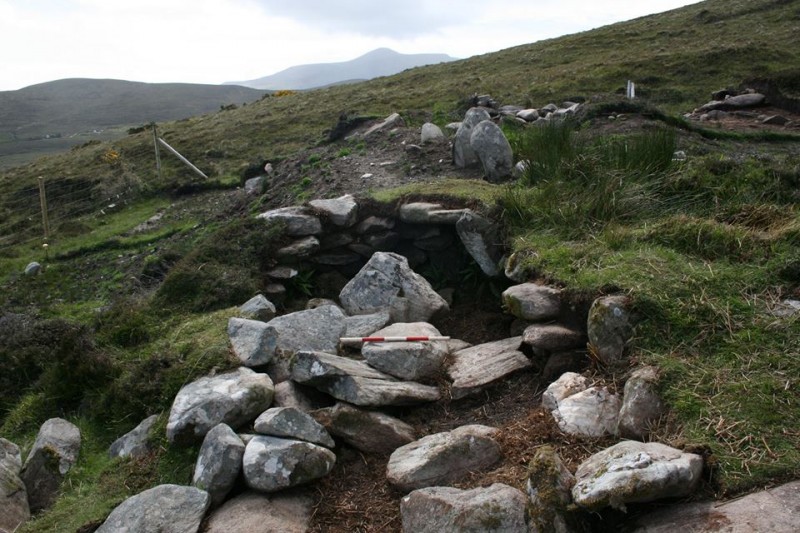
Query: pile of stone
[277,422]
[739,104]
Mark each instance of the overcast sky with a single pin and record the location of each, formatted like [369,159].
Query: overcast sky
[213,41]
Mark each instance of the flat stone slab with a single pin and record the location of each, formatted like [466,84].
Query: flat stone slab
[312,329]
[356,382]
[406,360]
[498,508]
[289,422]
[165,508]
[775,510]
[429,213]
[476,367]
[635,472]
[368,431]
[548,338]
[267,513]
[443,458]
[530,301]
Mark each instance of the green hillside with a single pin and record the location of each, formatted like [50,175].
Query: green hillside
[143,271]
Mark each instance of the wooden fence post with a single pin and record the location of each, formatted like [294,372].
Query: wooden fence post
[43,204]
[179,156]
[158,153]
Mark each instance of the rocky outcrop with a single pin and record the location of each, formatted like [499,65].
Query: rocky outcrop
[135,443]
[356,382]
[271,464]
[267,513]
[165,508]
[54,453]
[443,458]
[368,431]
[218,463]
[387,282]
[497,508]
[635,472]
[234,398]
[477,367]
[14,510]
[413,361]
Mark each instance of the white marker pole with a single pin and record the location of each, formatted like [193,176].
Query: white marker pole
[350,340]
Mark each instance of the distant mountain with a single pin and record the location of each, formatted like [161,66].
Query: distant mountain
[70,106]
[380,62]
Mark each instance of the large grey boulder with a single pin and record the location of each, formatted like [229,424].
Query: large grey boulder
[641,404]
[14,510]
[530,301]
[633,471]
[490,144]
[368,431]
[311,329]
[413,361]
[165,508]
[609,328]
[258,307]
[54,453]
[342,211]
[443,458]
[568,384]
[776,510]
[253,341]
[298,221]
[481,238]
[387,282]
[263,513]
[356,382]
[271,464]
[463,154]
[289,422]
[593,412]
[218,463]
[549,490]
[431,133]
[476,367]
[497,508]
[233,398]
[134,443]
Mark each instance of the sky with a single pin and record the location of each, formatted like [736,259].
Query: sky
[214,41]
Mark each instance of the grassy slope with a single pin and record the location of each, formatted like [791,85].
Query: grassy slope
[704,273]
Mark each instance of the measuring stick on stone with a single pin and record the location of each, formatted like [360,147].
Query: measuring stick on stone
[353,340]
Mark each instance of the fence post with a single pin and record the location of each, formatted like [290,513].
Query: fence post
[43,204]
[158,153]
[179,156]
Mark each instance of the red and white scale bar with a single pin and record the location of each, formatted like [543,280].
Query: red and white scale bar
[347,340]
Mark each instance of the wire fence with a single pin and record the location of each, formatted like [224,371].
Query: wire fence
[24,213]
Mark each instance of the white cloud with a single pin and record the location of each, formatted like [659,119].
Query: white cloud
[211,41]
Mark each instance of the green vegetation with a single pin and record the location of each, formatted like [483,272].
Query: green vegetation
[125,313]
